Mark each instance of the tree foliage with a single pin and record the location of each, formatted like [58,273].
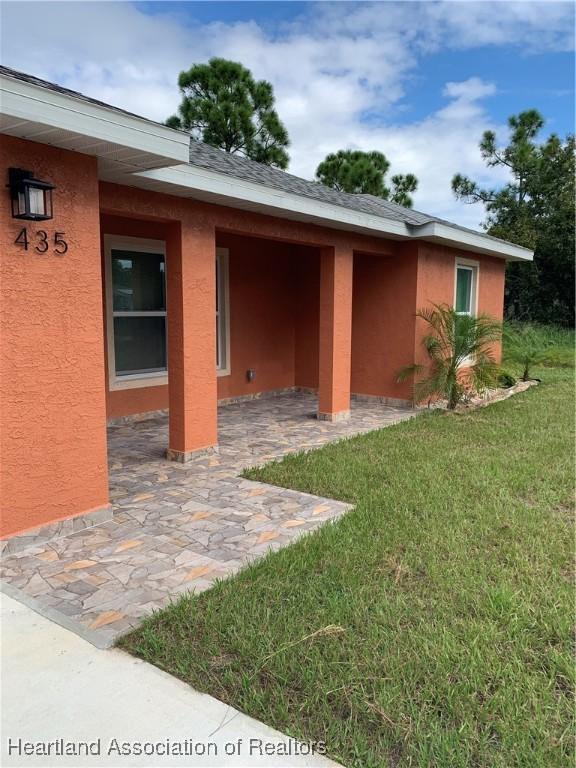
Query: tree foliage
[534,209]
[223,105]
[359,172]
[461,357]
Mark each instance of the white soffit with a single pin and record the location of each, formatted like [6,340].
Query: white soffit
[49,117]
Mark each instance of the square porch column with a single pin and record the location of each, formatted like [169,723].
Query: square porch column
[191,334]
[335,333]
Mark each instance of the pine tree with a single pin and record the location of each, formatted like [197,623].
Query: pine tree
[224,106]
[365,173]
[534,209]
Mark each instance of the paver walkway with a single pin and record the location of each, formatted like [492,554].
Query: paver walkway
[178,527]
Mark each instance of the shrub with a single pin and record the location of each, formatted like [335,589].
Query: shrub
[506,380]
[456,343]
[529,345]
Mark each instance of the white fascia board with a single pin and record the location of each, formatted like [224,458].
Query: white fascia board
[43,106]
[230,189]
[471,241]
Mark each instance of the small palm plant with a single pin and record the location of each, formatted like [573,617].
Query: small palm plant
[460,351]
[528,345]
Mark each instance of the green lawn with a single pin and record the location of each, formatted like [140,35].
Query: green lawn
[431,626]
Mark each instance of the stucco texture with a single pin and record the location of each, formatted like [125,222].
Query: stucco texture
[52,416]
[309,306]
[383,322]
[436,284]
[273,306]
[336,268]
[275,299]
[274,316]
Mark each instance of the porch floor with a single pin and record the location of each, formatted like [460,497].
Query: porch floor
[178,527]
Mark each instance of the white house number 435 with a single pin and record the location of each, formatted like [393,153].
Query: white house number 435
[42,241]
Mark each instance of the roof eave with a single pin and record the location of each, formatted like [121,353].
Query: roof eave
[437,232]
[51,117]
[201,183]
[219,188]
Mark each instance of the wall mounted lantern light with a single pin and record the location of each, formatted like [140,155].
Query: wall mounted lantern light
[31,198]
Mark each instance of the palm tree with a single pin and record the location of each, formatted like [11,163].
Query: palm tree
[460,350]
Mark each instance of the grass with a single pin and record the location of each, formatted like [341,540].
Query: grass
[531,344]
[431,626]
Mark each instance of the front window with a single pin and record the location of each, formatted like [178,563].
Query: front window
[139,312]
[465,298]
[136,306]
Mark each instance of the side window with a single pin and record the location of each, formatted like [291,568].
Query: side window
[465,294]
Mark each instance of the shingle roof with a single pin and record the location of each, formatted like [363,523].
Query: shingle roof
[213,159]
[26,78]
[205,156]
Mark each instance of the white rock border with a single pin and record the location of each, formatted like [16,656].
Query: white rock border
[479,401]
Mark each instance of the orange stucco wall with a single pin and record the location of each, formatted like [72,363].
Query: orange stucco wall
[274,309]
[436,281]
[273,297]
[52,414]
[293,363]
[386,335]
[283,352]
[307,322]
[336,269]
[383,322]
[191,296]
[301,296]
[262,295]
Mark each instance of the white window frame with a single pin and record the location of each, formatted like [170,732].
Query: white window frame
[139,245]
[474,268]
[157,379]
[223,312]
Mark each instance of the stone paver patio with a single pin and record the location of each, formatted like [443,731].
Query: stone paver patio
[178,527]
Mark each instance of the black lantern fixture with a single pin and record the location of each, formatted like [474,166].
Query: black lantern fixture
[31,198]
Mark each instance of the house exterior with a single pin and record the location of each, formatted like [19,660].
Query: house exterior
[173,276]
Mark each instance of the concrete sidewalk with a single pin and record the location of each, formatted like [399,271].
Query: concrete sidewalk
[57,686]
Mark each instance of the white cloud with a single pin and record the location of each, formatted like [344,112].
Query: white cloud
[469,90]
[537,26]
[330,68]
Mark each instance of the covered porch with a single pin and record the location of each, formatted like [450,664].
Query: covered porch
[274,313]
[187,306]
[178,527]
[250,433]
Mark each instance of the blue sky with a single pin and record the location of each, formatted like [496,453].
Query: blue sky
[525,79]
[418,81]
[544,81]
